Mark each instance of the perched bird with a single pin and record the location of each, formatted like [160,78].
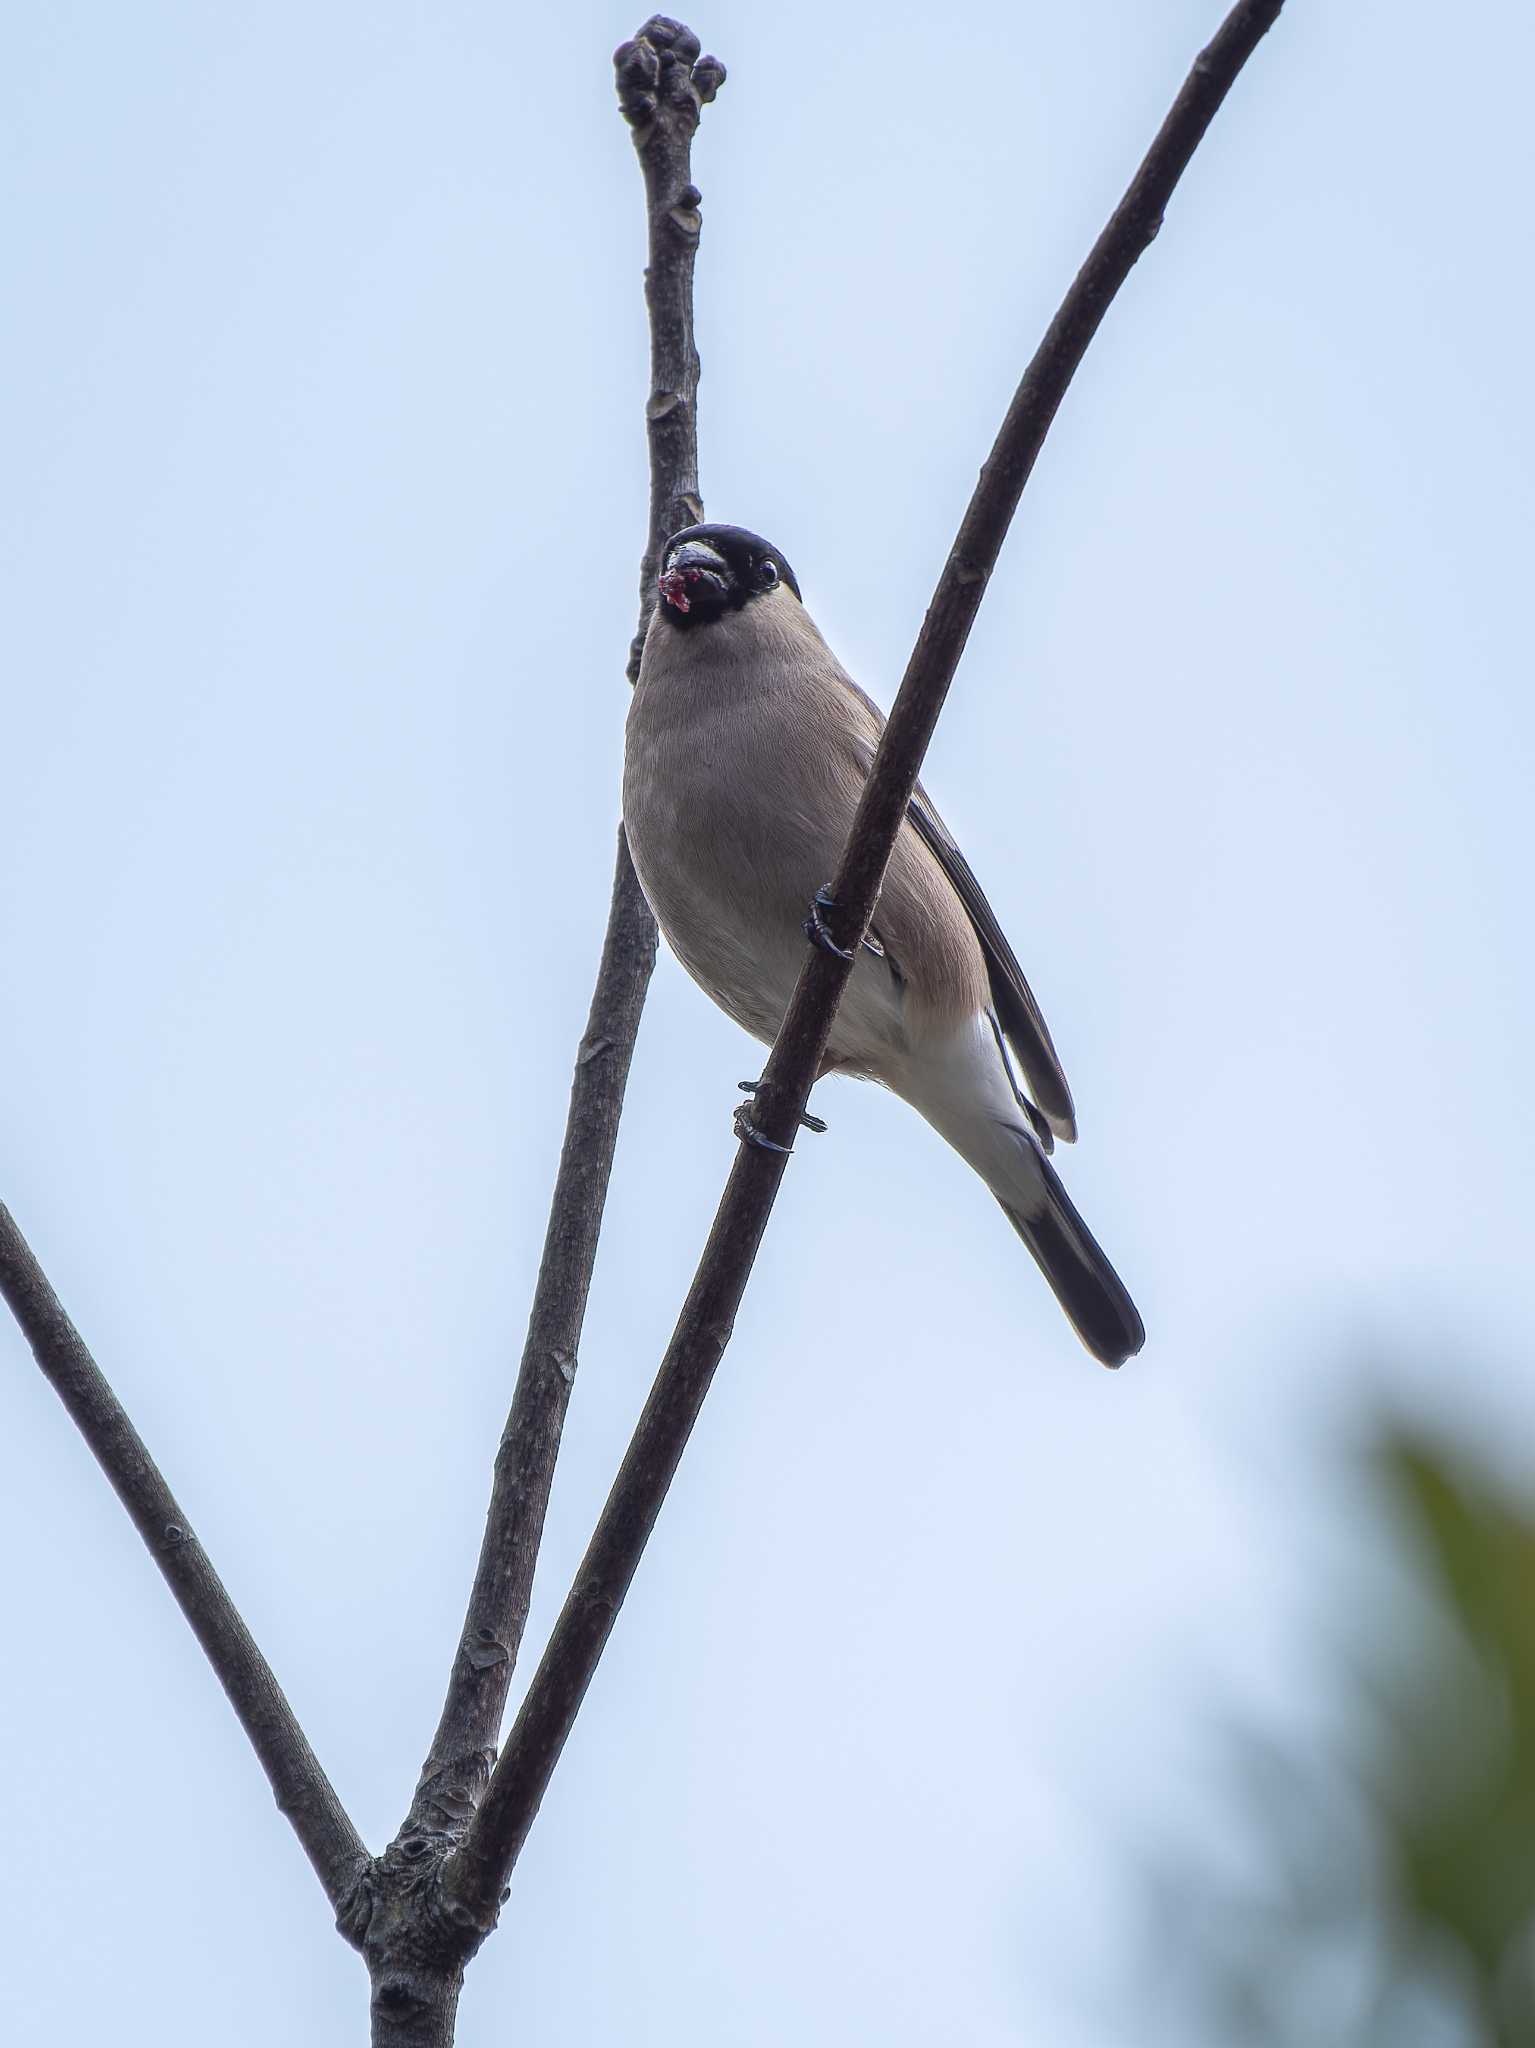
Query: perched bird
[747,749]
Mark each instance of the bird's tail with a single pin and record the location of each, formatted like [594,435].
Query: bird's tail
[1096,1301]
[964,1089]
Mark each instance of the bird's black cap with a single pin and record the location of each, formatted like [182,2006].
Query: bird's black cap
[693,594]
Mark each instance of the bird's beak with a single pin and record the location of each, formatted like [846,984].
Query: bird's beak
[691,571]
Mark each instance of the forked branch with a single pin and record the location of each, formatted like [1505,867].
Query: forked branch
[415,1939]
[421,1909]
[517,1785]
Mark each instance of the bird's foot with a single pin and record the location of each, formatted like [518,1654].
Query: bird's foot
[815,924]
[746,1127]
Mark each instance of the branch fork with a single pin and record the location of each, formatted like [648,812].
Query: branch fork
[420,1910]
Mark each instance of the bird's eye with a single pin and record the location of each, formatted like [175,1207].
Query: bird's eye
[769,574]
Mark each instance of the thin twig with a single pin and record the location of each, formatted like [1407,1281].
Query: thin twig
[663,82]
[303,1791]
[463,1747]
[518,1782]
[416,1941]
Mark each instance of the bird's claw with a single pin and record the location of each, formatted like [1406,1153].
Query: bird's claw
[746,1126]
[815,924]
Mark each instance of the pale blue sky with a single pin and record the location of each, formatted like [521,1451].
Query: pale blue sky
[323,367]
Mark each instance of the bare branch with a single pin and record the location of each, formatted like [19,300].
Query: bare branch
[663,83]
[478,1872]
[415,1940]
[463,1748]
[303,1791]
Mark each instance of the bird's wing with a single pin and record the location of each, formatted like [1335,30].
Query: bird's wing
[1017,1011]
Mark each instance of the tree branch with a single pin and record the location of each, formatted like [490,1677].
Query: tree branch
[480,1869]
[414,1939]
[663,83]
[463,1748]
[303,1791]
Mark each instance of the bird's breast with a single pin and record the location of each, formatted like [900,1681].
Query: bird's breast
[736,811]
[741,779]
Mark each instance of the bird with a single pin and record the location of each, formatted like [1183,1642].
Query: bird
[746,750]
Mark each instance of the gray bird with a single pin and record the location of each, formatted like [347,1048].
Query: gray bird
[747,749]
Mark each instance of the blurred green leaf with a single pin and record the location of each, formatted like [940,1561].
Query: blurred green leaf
[1399,1906]
[1459,1800]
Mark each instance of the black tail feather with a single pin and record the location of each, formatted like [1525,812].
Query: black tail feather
[1084,1283]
